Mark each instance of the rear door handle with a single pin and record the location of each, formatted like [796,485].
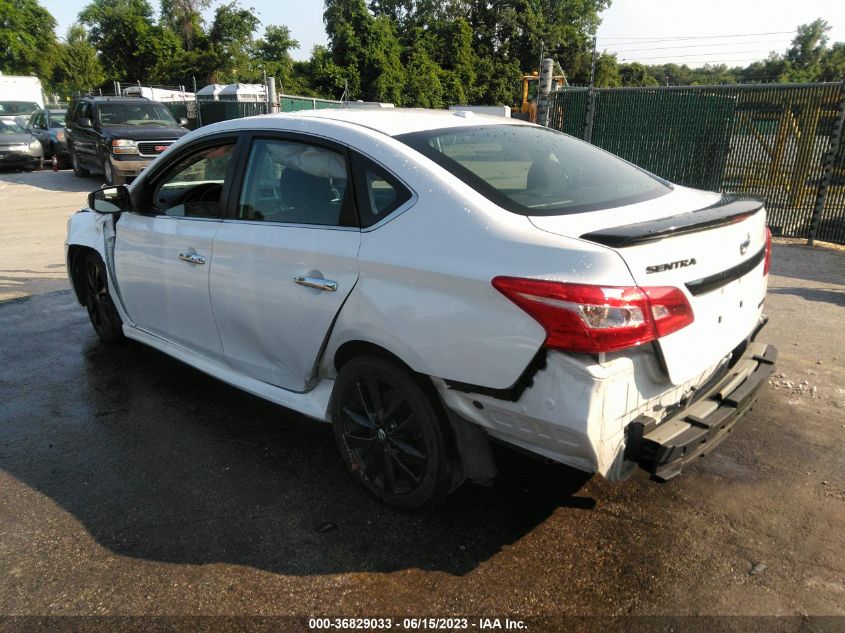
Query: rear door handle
[192,258]
[316,282]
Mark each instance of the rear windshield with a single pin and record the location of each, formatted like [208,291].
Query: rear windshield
[57,119]
[151,114]
[533,170]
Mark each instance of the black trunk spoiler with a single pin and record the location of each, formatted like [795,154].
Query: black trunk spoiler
[729,210]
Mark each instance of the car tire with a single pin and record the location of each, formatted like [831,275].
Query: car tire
[389,434]
[101,309]
[78,170]
[109,175]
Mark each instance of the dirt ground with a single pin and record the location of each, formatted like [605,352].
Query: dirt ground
[131,484]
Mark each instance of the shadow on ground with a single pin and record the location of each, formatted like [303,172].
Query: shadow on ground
[792,260]
[161,462]
[836,297]
[52,181]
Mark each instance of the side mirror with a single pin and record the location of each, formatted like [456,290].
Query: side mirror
[85,122]
[110,199]
[183,121]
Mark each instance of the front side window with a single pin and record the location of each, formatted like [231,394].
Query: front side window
[533,170]
[296,183]
[193,187]
[141,113]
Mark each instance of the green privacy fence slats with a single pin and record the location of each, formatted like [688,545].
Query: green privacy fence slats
[773,141]
[216,111]
[294,104]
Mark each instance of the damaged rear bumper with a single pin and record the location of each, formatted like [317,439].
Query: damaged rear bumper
[664,448]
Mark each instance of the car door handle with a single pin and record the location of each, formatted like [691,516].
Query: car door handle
[316,282]
[192,258]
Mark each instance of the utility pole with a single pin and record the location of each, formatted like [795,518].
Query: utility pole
[591,99]
[542,50]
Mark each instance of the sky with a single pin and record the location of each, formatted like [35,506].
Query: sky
[735,32]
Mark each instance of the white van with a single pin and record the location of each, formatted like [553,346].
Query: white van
[20,96]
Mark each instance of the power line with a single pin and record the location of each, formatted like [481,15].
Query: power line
[700,55]
[643,40]
[682,46]
[712,62]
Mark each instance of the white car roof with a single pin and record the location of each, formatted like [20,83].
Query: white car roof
[390,121]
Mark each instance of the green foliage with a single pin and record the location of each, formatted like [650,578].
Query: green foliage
[184,17]
[123,33]
[423,87]
[607,71]
[832,66]
[635,74]
[430,53]
[77,67]
[273,54]
[231,38]
[27,40]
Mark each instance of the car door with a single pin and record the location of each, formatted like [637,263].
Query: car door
[286,260]
[163,251]
[85,138]
[38,128]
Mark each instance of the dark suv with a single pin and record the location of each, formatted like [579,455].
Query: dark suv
[118,136]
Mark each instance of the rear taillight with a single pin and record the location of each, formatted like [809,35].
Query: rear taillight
[582,318]
[767,260]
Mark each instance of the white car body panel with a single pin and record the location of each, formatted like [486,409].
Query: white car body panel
[418,284]
[723,316]
[273,329]
[163,294]
[314,404]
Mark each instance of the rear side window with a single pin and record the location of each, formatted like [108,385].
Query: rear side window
[533,170]
[379,192]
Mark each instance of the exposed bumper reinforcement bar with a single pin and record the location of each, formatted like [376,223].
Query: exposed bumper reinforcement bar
[663,449]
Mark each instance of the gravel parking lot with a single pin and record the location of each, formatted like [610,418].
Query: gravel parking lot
[131,484]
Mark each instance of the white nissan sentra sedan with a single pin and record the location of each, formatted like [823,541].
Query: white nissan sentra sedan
[429,281]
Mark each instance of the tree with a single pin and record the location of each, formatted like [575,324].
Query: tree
[422,82]
[607,71]
[635,74]
[809,45]
[124,34]
[366,49]
[231,37]
[184,17]
[832,65]
[27,40]
[273,53]
[77,67]
[320,75]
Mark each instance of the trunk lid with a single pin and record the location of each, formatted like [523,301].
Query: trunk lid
[711,247]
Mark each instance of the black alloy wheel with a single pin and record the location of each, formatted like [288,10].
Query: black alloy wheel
[101,310]
[388,433]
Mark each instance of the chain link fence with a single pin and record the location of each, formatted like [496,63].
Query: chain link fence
[783,143]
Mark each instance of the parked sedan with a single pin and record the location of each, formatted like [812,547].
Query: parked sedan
[18,148]
[431,281]
[48,126]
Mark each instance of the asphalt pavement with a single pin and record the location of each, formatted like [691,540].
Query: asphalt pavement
[132,484]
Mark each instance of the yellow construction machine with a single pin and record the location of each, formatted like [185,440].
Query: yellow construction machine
[527,110]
